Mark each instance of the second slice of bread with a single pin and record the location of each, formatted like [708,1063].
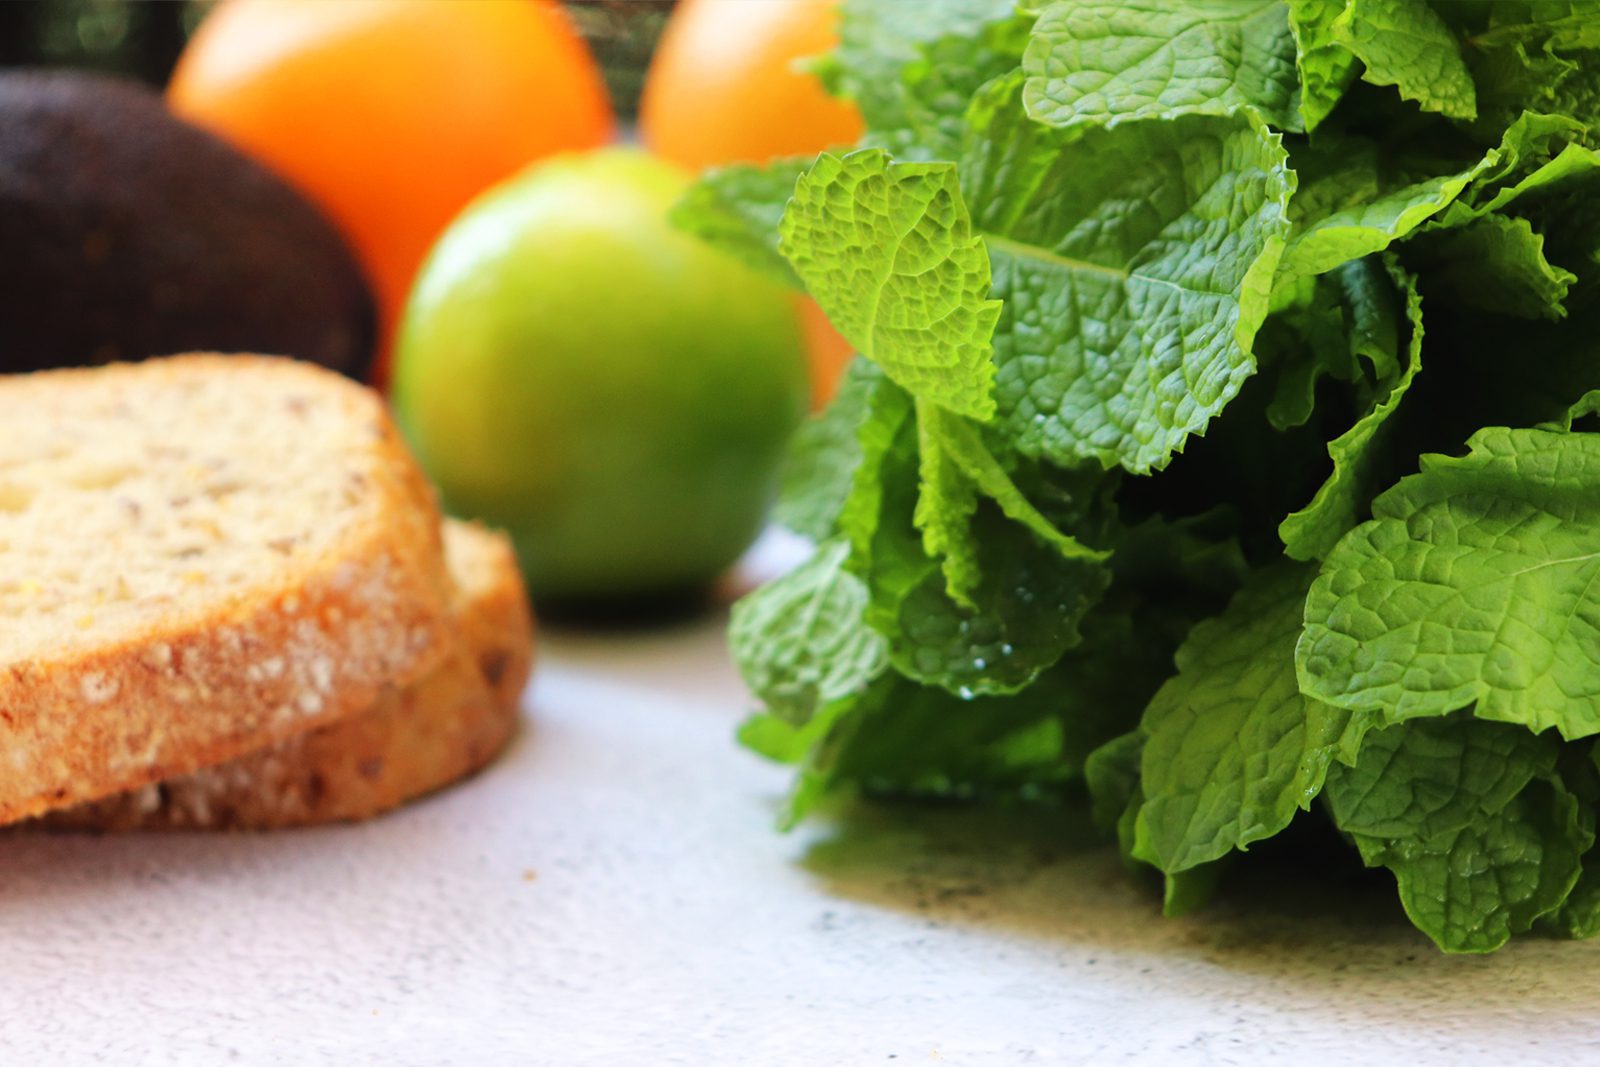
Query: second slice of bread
[199,556]
[417,738]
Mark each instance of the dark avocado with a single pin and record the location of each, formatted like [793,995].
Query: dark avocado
[127,233]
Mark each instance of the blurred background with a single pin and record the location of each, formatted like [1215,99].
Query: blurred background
[468,204]
[143,38]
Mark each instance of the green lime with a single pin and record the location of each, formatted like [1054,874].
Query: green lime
[611,391]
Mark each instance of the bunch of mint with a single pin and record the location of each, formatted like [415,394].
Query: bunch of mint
[1220,444]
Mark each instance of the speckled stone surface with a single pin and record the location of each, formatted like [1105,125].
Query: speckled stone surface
[613,893]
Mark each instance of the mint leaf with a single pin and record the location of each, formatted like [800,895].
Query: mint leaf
[1374,292]
[1579,915]
[1232,750]
[1431,777]
[737,208]
[1523,77]
[1346,209]
[1326,67]
[1503,248]
[1112,775]
[926,120]
[1127,831]
[1118,361]
[1359,452]
[916,740]
[1135,265]
[783,741]
[1586,405]
[1295,393]
[956,467]
[888,250]
[1404,43]
[1372,226]
[1475,583]
[1536,156]
[1526,147]
[1102,63]
[1350,204]
[800,641]
[898,738]
[1189,889]
[1344,316]
[1463,812]
[822,458]
[1016,619]
[965,449]
[1470,889]
[880,39]
[811,745]
[1574,162]
[947,501]
[1556,24]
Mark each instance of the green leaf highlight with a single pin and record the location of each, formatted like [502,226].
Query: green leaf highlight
[1135,264]
[1100,63]
[888,250]
[1477,583]
[1232,750]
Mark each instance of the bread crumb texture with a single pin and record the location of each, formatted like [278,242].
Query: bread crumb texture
[198,556]
[416,739]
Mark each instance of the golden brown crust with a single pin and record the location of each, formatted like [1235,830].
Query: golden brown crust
[493,616]
[417,739]
[311,646]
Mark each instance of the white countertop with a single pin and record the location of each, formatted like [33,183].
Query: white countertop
[612,892]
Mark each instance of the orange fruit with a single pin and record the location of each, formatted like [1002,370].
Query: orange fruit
[391,115]
[826,350]
[725,86]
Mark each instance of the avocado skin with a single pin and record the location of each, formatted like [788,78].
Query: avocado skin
[126,233]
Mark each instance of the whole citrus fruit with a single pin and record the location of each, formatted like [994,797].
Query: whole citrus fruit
[613,392]
[726,85]
[392,114]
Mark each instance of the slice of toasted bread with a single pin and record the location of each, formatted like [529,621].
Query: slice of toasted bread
[417,739]
[199,556]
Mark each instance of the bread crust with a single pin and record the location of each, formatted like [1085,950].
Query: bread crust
[312,645]
[417,739]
